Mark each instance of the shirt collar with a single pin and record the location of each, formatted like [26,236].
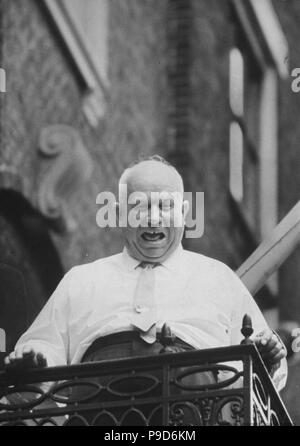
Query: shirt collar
[130,262]
[172,263]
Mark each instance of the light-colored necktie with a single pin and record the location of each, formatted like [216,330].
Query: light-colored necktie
[145,311]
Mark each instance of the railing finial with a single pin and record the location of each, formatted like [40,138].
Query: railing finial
[247,330]
[167,339]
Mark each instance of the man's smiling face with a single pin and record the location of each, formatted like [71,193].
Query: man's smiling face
[157,190]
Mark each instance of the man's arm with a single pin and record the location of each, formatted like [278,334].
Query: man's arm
[25,357]
[272,350]
[269,344]
[45,343]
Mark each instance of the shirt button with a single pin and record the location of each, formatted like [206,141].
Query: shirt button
[140,309]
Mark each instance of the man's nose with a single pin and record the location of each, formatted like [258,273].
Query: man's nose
[154,217]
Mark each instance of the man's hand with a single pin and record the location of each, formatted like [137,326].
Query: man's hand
[270,348]
[25,358]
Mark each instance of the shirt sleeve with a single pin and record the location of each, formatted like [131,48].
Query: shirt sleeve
[245,304]
[49,332]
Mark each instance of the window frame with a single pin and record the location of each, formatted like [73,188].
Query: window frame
[259,23]
[77,47]
[250,150]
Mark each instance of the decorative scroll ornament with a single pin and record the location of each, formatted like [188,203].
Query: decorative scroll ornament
[68,166]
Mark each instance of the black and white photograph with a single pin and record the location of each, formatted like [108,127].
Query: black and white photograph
[149,215]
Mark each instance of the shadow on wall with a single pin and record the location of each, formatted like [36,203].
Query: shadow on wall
[30,268]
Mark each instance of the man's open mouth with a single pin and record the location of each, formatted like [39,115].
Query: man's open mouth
[152,236]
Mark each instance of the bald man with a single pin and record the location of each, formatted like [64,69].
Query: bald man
[116,307]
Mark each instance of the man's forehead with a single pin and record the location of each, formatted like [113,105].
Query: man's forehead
[155,177]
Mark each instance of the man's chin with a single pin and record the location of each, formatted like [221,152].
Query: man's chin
[155,254]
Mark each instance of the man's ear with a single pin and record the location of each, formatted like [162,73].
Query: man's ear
[185,209]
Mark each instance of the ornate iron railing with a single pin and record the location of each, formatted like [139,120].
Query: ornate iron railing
[232,387]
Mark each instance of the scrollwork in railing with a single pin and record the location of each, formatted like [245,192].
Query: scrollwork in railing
[206,407]
[260,394]
[268,409]
[185,413]
[274,420]
[75,392]
[21,398]
[105,418]
[214,370]
[258,419]
[139,385]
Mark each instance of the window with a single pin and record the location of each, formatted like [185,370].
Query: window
[245,80]
[236,162]
[257,61]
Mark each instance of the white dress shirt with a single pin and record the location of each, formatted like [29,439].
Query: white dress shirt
[201,299]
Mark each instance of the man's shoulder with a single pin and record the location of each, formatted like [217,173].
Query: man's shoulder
[201,260]
[107,261]
[217,274]
[91,267]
